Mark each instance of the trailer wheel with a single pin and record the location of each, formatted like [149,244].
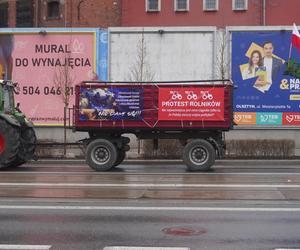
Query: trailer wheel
[120,158]
[199,155]
[9,143]
[101,155]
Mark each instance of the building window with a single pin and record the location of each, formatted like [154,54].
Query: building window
[239,4]
[210,5]
[152,5]
[181,5]
[4,15]
[24,13]
[53,9]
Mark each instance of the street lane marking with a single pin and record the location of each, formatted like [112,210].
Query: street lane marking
[147,185]
[146,248]
[149,208]
[24,247]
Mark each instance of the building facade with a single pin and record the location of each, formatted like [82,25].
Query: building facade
[60,13]
[218,13]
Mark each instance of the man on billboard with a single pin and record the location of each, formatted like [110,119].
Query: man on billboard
[272,63]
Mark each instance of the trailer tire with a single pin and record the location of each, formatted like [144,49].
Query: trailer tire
[120,158]
[101,155]
[9,143]
[199,155]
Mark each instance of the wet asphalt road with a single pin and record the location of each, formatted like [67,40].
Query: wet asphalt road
[68,206]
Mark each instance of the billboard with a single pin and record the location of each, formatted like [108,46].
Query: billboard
[191,104]
[266,93]
[119,103]
[47,64]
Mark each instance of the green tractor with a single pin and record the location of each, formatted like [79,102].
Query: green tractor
[17,136]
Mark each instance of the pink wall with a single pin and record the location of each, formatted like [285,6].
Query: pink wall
[33,69]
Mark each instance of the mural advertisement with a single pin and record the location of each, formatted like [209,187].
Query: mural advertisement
[266,93]
[119,103]
[191,104]
[47,67]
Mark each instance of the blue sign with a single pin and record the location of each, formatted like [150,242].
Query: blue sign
[102,57]
[259,62]
[111,104]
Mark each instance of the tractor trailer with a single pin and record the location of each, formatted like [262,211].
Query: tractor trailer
[195,112]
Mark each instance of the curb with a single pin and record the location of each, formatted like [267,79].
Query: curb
[229,162]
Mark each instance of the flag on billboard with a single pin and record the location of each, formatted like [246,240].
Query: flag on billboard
[296,38]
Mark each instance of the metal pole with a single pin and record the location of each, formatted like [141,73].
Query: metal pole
[65,13]
[37,13]
[264,12]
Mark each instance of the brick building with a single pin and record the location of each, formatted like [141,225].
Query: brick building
[218,13]
[60,13]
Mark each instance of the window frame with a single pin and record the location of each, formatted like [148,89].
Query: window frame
[206,9]
[182,10]
[59,9]
[153,10]
[238,9]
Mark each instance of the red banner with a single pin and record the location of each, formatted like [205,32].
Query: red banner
[291,119]
[191,104]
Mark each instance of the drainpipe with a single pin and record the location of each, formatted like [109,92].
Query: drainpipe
[37,13]
[65,2]
[264,12]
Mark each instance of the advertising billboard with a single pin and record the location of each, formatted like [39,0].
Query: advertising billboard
[47,64]
[120,103]
[191,104]
[266,93]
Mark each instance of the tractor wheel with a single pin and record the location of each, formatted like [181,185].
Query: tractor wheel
[26,148]
[9,143]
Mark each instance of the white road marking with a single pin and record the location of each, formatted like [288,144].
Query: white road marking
[141,173]
[25,247]
[146,248]
[150,208]
[147,185]
[287,249]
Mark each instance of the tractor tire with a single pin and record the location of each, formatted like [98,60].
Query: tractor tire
[199,155]
[28,144]
[101,155]
[27,147]
[9,143]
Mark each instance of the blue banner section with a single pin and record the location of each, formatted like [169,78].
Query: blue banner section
[259,62]
[102,57]
[111,104]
